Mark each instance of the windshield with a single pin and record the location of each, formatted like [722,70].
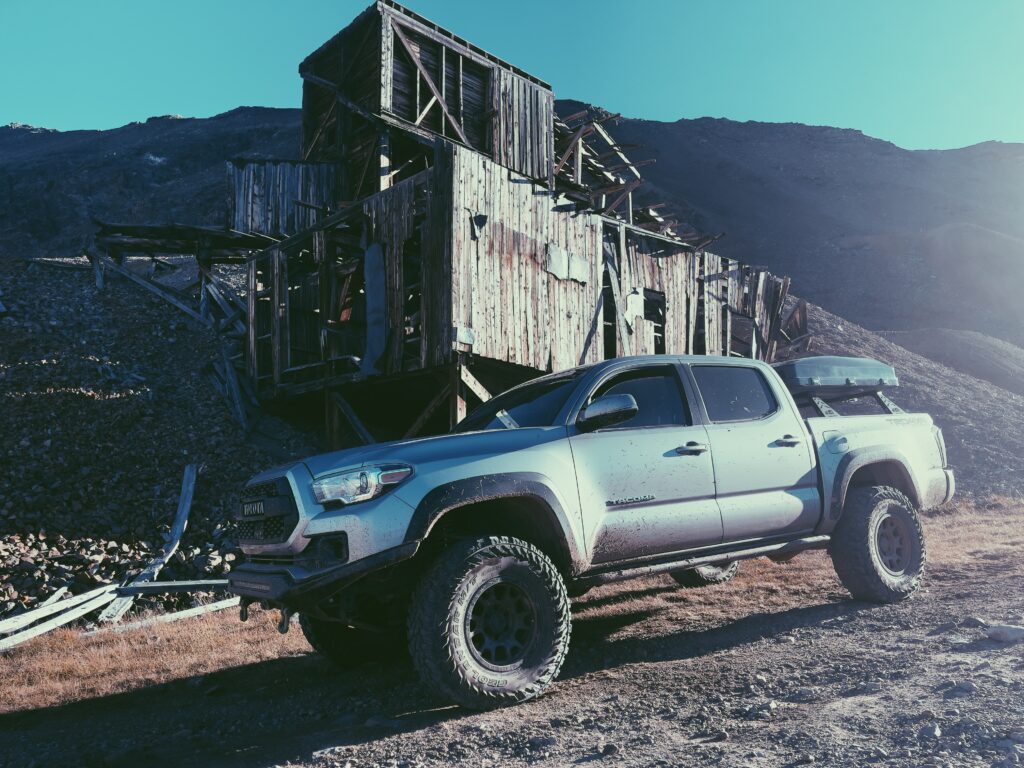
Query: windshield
[531,405]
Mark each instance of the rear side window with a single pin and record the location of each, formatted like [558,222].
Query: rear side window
[657,394]
[734,393]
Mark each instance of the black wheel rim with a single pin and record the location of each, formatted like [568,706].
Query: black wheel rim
[893,542]
[501,625]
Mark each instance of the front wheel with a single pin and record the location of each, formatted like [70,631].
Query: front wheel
[489,622]
[878,546]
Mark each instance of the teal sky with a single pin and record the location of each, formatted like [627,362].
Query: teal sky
[920,73]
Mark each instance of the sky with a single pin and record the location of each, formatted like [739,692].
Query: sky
[924,74]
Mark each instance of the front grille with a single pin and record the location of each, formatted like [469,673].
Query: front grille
[267,530]
[259,491]
[273,519]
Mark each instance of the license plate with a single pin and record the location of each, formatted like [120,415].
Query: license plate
[252,508]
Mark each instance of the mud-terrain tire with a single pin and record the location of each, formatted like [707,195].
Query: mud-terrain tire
[489,623]
[878,547]
[706,575]
[345,646]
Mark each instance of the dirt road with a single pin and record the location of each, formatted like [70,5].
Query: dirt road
[778,668]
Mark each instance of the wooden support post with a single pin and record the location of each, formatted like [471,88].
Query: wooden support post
[457,393]
[384,149]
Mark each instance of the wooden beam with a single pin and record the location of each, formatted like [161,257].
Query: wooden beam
[166,618]
[65,618]
[233,391]
[170,587]
[350,416]
[111,264]
[397,28]
[426,109]
[22,620]
[429,411]
[578,136]
[457,393]
[474,384]
[123,602]
[626,192]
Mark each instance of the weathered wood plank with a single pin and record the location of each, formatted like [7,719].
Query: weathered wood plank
[124,601]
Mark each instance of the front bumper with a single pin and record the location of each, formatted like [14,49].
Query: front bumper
[297,587]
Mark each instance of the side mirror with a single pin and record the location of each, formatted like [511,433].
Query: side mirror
[606,411]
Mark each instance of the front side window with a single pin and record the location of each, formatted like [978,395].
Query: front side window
[734,393]
[658,397]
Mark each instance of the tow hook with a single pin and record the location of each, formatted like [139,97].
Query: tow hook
[286,617]
[243,609]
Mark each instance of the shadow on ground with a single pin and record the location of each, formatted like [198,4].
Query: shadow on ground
[287,709]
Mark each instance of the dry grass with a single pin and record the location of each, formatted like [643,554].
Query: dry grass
[64,666]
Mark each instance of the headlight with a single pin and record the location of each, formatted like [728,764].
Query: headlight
[359,484]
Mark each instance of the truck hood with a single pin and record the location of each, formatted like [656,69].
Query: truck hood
[469,445]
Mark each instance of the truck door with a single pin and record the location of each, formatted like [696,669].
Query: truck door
[647,486]
[764,464]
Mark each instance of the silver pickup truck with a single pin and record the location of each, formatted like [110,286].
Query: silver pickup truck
[468,546]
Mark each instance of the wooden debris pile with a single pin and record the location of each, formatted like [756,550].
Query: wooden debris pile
[115,600]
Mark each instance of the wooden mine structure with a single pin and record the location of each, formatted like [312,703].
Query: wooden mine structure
[446,235]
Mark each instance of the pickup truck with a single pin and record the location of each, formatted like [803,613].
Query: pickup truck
[468,546]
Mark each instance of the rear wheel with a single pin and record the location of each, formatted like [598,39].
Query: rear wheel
[878,547]
[489,622]
[706,575]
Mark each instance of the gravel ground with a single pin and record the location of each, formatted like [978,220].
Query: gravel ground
[778,668]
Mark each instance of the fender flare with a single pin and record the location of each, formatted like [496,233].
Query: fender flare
[509,485]
[849,465]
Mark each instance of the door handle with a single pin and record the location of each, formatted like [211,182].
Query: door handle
[788,441]
[692,448]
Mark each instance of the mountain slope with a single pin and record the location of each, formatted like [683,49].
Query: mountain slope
[167,169]
[891,238]
[969,352]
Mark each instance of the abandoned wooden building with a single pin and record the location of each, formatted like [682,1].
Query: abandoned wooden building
[446,234]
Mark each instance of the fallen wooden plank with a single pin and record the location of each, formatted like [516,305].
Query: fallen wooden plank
[233,391]
[166,618]
[152,287]
[124,601]
[22,620]
[168,587]
[54,597]
[58,621]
